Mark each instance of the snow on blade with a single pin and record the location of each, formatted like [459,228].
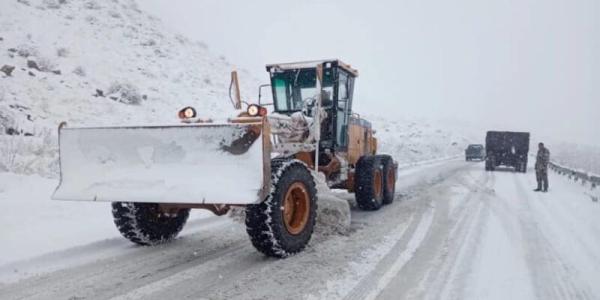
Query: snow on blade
[174,164]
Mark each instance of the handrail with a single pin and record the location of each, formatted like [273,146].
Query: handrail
[576,174]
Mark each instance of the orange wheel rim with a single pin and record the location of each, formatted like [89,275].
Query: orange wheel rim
[296,207]
[391,179]
[377,184]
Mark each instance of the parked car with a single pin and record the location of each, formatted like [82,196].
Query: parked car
[475,151]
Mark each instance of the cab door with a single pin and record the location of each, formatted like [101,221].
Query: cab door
[343,108]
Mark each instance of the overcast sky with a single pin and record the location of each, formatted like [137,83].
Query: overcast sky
[508,65]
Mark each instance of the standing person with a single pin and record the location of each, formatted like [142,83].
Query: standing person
[541,168]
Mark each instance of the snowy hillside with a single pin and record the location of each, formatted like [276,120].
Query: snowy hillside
[100,63]
[577,156]
[415,141]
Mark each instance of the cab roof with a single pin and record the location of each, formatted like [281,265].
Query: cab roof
[313,64]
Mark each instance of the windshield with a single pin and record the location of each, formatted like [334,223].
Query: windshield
[291,88]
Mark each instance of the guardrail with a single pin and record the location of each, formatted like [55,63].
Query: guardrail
[577,175]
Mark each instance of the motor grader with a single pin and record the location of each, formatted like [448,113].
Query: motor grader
[266,159]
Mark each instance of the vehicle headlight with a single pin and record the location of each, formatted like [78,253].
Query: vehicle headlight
[253,110]
[187,113]
[256,110]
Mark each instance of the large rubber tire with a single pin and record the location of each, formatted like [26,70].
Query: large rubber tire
[368,183]
[524,169]
[389,178]
[490,164]
[145,224]
[282,225]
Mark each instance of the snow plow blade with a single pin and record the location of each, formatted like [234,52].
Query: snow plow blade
[200,163]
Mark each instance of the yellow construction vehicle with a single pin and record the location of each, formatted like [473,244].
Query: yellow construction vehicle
[265,159]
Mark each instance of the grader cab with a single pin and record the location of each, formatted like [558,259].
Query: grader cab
[265,159]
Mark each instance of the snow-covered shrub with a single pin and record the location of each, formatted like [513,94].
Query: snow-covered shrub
[114,14]
[149,42]
[52,4]
[91,20]
[25,50]
[45,64]
[62,52]
[92,5]
[6,121]
[124,93]
[29,154]
[80,71]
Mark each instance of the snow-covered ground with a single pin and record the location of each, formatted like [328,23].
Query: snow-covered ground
[454,232]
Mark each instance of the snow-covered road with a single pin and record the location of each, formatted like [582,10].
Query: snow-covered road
[454,232]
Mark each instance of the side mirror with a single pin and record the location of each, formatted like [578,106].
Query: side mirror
[260,87]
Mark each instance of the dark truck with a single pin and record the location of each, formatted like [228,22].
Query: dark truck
[505,148]
[475,151]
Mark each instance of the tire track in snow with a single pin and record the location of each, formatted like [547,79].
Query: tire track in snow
[411,247]
[552,276]
[114,276]
[450,274]
[385,281]
[431,272]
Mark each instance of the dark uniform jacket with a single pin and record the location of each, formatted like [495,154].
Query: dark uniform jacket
[542,159]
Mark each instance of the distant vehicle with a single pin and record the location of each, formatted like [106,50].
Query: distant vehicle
[475,151]
[505,148]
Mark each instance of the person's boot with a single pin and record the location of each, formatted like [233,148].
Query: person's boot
[539,188]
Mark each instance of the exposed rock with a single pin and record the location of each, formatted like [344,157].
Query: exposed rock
[57,72]
[31,74]
[32,65]
[13,50]
[6,69]
[19,107]
[11,131]
[99,93]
